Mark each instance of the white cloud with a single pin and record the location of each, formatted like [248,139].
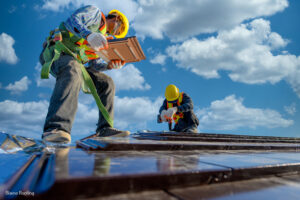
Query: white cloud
[178,19]
[86,119]
[57,5]
[130,113]
[245,52]
[27,118]
[7,52]
[231,114]
[291,109]
[293,76]
[44,95]
[128,78]
[136,112]
[276,41]
[23,118]
[181,19]
[128,7]
[19,86]
[159,59]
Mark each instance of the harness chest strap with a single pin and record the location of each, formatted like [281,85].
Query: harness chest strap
[58,48]
[177,115]
[82,43]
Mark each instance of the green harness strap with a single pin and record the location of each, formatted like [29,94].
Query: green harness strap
[88,85]
[49,59]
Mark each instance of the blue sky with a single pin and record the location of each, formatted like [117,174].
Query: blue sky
[238,60]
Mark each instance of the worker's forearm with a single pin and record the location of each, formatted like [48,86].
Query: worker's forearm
[163,107]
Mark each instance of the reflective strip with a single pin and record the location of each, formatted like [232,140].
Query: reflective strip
[83,44]
[176,116]
[103,28]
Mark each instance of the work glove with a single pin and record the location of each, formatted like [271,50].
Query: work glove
[97,41]
[171,111]
[162,115]
[116,64]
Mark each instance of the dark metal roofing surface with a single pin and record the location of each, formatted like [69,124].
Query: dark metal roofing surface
[152,165]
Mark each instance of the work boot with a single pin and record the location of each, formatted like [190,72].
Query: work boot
[56,136]
[112,132]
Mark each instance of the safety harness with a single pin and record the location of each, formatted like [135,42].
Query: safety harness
[177,115]
[63,41]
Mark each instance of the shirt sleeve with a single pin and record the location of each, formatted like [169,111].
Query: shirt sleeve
[186,104]
[163,107]
[98,64]
[81,19]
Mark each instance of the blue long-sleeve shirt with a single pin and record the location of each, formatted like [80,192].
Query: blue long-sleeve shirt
[83,18]
[80,23]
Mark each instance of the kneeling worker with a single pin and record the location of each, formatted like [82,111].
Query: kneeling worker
[178,107]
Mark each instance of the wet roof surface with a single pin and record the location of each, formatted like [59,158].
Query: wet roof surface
[160,165]
[71,162]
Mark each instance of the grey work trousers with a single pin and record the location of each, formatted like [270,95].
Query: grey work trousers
[64,99]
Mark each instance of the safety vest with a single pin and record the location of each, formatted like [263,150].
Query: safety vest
[82,43]
[177,115]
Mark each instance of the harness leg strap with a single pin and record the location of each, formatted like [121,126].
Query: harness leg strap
[60,47]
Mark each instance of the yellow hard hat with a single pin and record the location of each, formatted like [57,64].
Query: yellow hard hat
[172,93]
[124,21]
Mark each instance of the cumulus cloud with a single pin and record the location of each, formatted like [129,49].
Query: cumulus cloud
[159,59]
[7,52]
[231,114]
[157,18]
[19,86]
[245,52]
[136,112]
[293,77]
[128,7]
[86,119]
[179,20]
[131,113]
[291,109]
[27,118]
[23,118]
[128,78]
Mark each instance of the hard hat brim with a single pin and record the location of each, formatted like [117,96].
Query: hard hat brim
[125,23]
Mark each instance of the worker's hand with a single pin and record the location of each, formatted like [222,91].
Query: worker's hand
[116,64]
[162,115]
[171,111]
[97,41]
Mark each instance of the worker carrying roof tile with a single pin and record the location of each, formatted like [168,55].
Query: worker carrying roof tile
[69,55]
[178,107]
